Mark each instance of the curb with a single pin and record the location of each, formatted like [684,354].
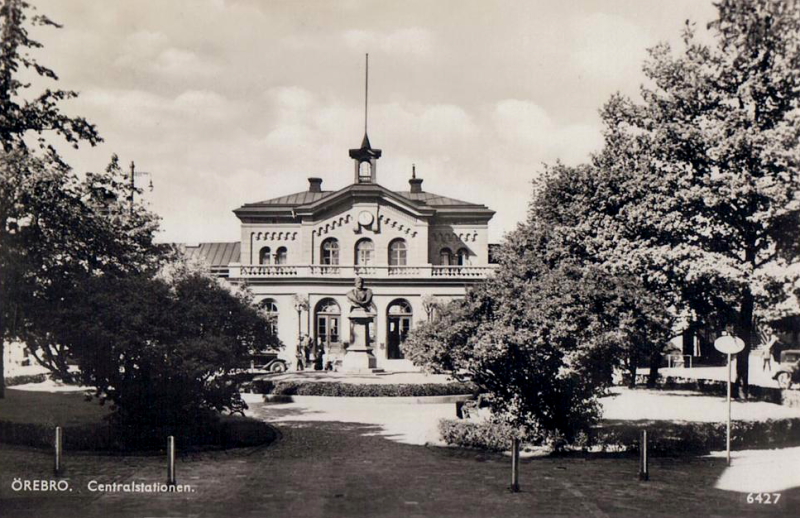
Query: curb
[415,400]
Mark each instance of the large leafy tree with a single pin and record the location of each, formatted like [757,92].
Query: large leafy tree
[54,227]
[162,348]
[709,163]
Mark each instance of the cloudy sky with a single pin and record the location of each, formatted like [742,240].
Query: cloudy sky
[227,102]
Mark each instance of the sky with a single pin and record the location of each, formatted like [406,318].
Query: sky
[226,102]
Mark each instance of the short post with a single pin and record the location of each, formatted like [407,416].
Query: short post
[59,448]
[171,460]
[644,472]
[515,465]
[728,430]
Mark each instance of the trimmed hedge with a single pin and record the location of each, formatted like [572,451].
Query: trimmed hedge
[227,432]
[338,389]
[664,437]
[481,435]
[24,379]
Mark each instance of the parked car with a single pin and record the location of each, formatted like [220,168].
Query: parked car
[789,368]
[269,361]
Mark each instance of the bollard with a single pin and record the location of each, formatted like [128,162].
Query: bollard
[57,468]
[515,465]
[644,472]
[171,460]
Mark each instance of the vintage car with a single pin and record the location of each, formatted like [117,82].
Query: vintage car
[268,361]
[789,369]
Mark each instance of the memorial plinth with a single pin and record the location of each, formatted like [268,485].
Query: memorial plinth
[359,358]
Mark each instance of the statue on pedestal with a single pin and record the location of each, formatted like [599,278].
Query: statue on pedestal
[359,357]
[360,297]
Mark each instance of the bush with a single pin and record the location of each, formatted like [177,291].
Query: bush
[482,435]
[25,379]
[664,438]
[336,389]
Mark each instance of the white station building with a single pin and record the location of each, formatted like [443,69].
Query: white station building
[300,254]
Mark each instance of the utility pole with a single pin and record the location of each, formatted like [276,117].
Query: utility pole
[134,174]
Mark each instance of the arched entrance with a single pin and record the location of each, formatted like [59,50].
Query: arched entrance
[327,328]
[399,316]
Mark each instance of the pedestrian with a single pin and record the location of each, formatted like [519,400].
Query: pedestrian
[766,349]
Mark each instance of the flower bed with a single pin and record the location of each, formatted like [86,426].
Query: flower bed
[24,379]
[338,389]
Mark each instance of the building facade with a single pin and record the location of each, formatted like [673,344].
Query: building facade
[300,254]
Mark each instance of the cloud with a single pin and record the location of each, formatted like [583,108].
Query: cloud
[609,47]
[528,127]
[411,41]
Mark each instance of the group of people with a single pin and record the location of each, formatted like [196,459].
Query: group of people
[309,354]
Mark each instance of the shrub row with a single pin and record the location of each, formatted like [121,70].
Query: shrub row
[229,432]
[482,435]
[337,389]
[24,379]
[664,438]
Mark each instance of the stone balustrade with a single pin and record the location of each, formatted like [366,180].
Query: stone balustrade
[326,271]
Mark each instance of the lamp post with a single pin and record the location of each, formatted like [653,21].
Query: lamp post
[300,305]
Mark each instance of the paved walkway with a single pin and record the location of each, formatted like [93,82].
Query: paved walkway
[332,468]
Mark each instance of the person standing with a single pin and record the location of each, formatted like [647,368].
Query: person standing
[766,350]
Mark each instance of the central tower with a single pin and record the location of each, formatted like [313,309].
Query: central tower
[365,157]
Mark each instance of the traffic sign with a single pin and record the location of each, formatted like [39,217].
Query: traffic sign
[728,344]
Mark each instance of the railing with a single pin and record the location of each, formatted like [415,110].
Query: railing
[330,271]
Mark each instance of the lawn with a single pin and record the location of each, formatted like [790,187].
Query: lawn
[50,408]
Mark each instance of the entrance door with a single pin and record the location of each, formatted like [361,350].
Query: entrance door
[327,328]
[398,324]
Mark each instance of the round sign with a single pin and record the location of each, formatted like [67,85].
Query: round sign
[728,344]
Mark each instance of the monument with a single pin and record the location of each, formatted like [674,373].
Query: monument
[359,358]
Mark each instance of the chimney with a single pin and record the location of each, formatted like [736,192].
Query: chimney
[415,183]
[315,185]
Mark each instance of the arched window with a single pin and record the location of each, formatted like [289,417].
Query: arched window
[270,307]
[263,255]
[330,252]
[397,253]
[446,257]
[280,255]
[365,252]
[462,256]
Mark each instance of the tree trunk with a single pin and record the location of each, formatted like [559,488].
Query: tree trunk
[655,363]
[633,362]
[745,331]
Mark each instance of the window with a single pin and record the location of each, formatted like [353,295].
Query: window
[330,252]
[397,253]
[280,255]
[270,307]
[364,252]
[263,255]
[462,257]
[446,257]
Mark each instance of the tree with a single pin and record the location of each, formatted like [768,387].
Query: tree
[540,341]
[20,117]
[162,349]
[710,162]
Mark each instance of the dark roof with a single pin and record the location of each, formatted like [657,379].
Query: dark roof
[434,200]
[215,254]
[298,198]
[421,198]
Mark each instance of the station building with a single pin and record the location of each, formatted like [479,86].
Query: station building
[300,253]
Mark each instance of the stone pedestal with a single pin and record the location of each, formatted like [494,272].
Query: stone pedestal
[359,358]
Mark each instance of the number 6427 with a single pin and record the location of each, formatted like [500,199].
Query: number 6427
[763,498]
